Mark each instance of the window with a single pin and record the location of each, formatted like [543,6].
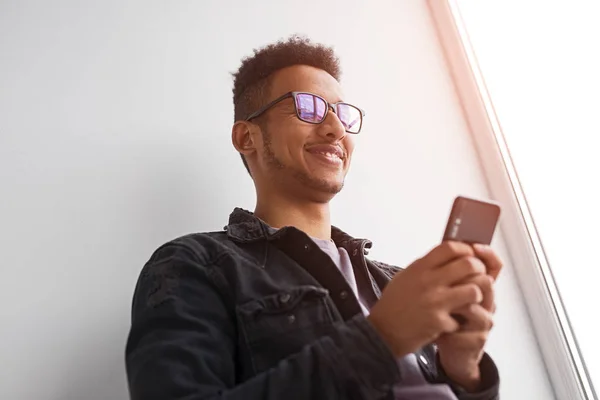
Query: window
[528,73]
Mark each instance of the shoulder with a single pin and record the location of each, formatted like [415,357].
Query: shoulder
[179,267]
[189,256]
[202,247]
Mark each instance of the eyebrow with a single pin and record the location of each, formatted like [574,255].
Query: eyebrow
[323,96]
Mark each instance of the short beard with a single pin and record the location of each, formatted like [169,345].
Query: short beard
[271,160]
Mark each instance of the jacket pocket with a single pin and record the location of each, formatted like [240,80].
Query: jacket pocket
[280,324]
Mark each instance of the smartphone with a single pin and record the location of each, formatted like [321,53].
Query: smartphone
[472,221]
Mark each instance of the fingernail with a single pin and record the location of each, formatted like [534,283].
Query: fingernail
[481,247]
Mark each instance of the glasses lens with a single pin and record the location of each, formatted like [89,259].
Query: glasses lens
[350,116]
[310,107]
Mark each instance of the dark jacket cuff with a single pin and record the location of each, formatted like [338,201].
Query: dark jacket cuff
[490,381]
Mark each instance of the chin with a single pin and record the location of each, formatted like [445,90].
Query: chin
[324,184]
[329,186]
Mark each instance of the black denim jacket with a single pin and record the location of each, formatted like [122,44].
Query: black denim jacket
[245,314]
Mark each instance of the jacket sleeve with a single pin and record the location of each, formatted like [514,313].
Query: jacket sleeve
[182,345]
[490,381]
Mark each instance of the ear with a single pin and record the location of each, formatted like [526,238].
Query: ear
[242,137]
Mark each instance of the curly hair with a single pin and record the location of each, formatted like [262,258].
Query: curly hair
[251,82]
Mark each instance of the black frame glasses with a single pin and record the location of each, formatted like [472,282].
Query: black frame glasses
[335,107]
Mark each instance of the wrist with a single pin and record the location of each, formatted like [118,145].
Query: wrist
[387,337]
[469,380]
[488,373]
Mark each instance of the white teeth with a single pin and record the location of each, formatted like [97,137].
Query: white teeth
[331,155]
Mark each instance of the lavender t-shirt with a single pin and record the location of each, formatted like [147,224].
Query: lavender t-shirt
[413,385]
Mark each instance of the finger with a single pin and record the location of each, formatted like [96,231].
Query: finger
[476,318]
[466,340]
[486,285]
[458,271]
[446,252]
[461,295]
[449,324]
[489,258]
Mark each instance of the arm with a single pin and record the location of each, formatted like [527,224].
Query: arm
[490,381]
[183,338]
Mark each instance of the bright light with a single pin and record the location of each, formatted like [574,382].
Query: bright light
[541,63]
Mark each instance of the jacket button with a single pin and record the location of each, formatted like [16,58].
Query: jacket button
[285,297]
[306,247]
[343,295]
[291,318]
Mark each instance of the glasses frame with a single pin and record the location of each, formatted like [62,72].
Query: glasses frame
[330,106]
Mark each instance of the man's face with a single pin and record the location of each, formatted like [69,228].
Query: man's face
[298,153]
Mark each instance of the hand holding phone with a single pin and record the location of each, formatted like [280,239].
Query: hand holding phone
[471,221]
[420,303]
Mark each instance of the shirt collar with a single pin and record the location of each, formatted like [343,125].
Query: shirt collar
[244,226]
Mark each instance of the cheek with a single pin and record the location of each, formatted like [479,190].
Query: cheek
[292,139]
[349,145]
[286,142]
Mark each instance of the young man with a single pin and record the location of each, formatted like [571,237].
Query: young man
[281,304]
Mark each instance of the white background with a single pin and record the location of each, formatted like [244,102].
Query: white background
[115,137]
[541,65]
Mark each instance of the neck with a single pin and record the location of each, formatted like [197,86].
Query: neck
[310,217]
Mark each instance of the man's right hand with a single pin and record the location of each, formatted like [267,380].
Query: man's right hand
[415,306]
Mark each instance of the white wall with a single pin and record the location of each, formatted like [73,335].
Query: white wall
[114,137]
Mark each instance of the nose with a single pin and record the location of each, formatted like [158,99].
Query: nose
[332,127]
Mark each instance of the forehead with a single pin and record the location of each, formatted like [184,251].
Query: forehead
[304,78]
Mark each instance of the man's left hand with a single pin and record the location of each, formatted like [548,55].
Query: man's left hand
[460,352]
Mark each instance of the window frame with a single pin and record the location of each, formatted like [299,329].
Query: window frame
[558,345]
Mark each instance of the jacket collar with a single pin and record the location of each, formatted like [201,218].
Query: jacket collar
[245,227]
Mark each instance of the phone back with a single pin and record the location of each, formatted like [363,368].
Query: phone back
[472,221]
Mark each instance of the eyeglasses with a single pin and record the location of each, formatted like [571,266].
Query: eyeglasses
[313,109]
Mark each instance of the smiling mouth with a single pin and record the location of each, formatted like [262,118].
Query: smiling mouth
[333,156]
[327,153]
[327,159]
